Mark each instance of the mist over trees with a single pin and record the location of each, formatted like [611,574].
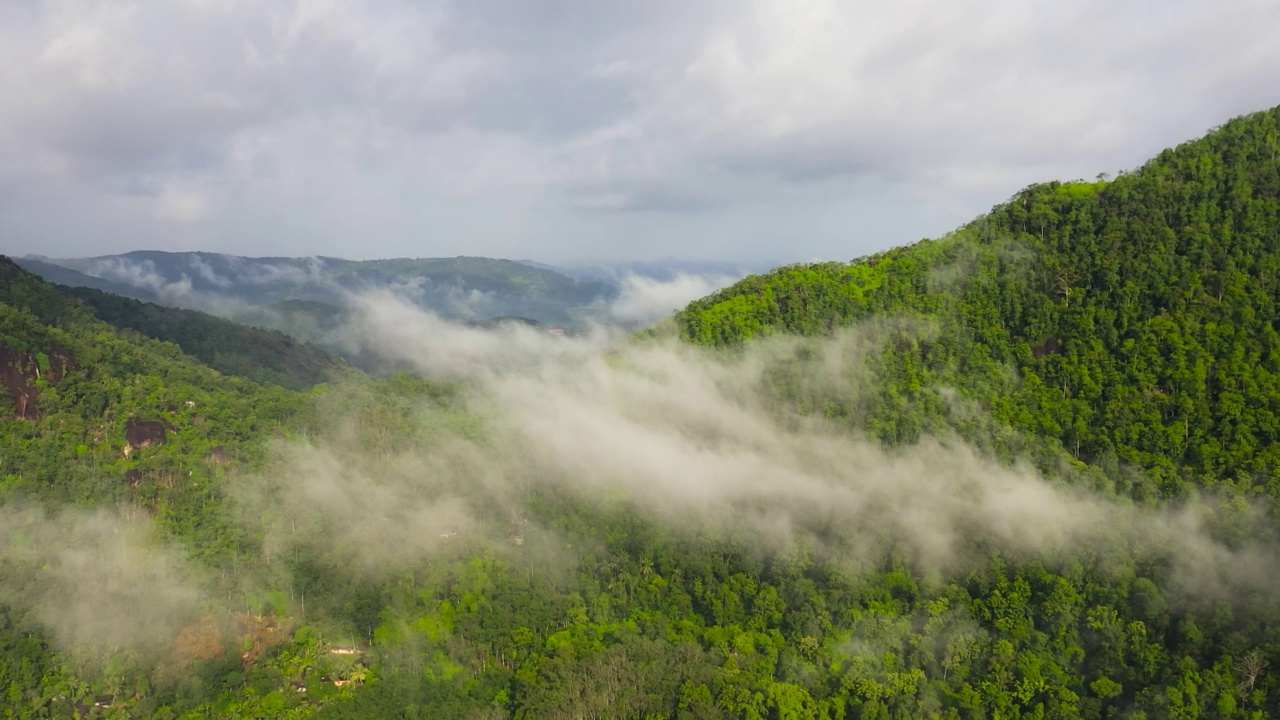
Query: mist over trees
[1027,470]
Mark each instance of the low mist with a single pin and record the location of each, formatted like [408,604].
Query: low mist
[98,580]
[646,299]
[388,326]
[692,439]
[695,440]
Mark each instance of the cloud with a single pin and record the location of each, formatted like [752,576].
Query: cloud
[696,441]
[643,299]
[632,197]
[371,516]
[185,205]
[702,443]
[206,271]
[95,579]
[858,88]
[387,325]
[143,275]
[777,129]
[273,274]
[213,282]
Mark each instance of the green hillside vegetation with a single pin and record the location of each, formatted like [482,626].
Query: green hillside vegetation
[71,455]
[384,548]
[1139,317]
[69,448]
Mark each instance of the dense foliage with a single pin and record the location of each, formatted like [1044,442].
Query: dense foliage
[72,450]
[1139,316]
[1117,334]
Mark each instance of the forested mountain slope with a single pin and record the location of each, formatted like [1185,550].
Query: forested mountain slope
[115,455]
[267,356]
[75,384]
[257,354]
[1139,316]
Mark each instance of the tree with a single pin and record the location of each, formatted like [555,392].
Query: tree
[1248,668]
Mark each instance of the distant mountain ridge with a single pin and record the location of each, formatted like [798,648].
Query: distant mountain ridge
[263,356]
[62,275]
[463,288]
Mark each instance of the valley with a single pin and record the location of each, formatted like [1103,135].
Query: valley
[1028,469]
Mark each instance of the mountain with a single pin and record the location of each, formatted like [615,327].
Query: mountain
[1138,316]
[1026,470]
[112,443]
[261,355]
[77,388]
[462,288]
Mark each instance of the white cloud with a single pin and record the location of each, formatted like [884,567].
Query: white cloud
[700,442]
[181,204]
[387,326]
[769,128]
[141,275]
[206,271]
[645,299]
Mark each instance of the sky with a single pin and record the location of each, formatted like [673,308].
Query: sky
[762,131]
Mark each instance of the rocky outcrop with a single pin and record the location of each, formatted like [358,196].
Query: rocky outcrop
[219,456]
[1050,346]
[139,433]
[19,372]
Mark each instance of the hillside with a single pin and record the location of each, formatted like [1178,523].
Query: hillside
[1138,317]
[1023,471]
[114,465]
[75,382]
[265,356]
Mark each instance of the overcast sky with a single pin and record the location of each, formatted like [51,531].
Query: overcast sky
[761,130]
